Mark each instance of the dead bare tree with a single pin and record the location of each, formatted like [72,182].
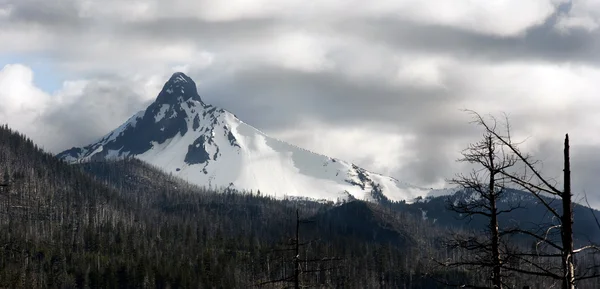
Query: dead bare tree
[484,188]
[545,191]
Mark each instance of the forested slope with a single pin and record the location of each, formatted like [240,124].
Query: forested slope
[124,224]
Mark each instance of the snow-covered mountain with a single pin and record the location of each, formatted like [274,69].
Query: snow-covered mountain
[210,146]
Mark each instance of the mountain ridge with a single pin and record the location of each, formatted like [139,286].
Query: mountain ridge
[209,146]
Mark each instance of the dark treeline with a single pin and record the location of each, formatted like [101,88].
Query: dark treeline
[124,224]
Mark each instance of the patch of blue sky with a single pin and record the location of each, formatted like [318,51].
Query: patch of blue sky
[46,76]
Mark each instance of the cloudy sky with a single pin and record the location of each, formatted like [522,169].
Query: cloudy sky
[378,83]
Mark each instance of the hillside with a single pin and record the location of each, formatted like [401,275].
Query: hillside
[129,225]
[126,224]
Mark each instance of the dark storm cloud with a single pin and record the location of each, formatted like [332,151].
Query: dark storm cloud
[50,14]
[203,32]
[541,43]
[289,95]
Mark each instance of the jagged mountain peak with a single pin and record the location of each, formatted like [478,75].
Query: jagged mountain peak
[179,77]
[209,146]
[179,88]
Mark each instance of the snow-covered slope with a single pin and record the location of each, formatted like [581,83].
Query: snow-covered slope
[209,146]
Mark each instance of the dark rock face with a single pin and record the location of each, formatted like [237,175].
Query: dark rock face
[364,180]
[165,118]
[196,122]
[232,139]
[197,154]
[362,177]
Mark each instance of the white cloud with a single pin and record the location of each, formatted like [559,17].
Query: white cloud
[373,147]
[300,51]
[423,70]
[22,102]
[559,95]
[543,101]
[78,113]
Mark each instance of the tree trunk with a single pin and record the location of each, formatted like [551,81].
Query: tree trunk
[567,224]
[494,230]
[297,253]
[496,274]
